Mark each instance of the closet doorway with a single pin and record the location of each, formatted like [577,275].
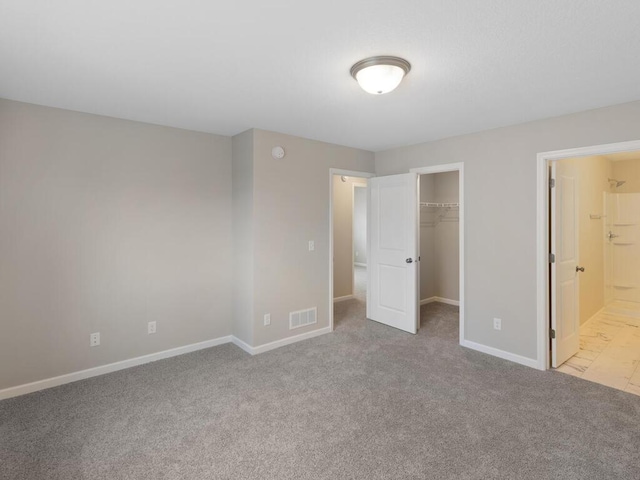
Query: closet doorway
[441,242]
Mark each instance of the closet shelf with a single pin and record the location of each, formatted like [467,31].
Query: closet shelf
[438,205]
[439,212]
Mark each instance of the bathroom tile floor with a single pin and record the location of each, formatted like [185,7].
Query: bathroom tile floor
[609,351]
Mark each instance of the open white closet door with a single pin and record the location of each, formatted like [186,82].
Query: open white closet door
[565,319]
[393,270]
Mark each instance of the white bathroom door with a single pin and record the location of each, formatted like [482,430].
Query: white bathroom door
[565,318]
[392,296]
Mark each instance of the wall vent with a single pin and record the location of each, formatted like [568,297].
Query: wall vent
[302,318]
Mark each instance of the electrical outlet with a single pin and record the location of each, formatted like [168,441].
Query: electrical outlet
[151,327]
[94,339]
[267,319]
[357,253]
[497,324]
[312,245]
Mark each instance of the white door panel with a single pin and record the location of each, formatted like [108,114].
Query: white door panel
[392,237]
[565,318]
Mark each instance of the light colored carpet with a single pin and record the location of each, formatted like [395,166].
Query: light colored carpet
[364,402]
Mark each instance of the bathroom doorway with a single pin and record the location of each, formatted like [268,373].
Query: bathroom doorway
[595,268]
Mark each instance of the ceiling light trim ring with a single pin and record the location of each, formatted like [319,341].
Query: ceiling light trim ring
[380,60]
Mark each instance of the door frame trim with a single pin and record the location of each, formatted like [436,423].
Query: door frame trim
[454,167]
[542,233]
[347,173]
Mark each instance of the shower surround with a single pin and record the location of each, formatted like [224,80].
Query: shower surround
[622,247]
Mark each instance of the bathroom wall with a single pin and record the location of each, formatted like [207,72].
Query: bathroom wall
[593,174]
[629,171]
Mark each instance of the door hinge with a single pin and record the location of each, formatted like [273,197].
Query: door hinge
[552,258]
[552,333]
[552,182]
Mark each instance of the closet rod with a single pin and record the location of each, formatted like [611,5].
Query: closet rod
[439,204]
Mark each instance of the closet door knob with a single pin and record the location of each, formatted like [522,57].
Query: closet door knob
[409,260]
[579,269]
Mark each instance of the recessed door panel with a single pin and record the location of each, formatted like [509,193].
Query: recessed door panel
[393,287]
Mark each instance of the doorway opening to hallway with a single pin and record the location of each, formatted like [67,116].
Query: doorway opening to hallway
[348,266]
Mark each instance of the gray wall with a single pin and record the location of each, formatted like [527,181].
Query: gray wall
[500,208]
[105,225]
[291,207]
[242,187]
[360,225]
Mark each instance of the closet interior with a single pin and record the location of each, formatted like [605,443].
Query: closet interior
[439,238]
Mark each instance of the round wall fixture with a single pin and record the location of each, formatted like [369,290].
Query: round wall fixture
[277,152]
[382,74]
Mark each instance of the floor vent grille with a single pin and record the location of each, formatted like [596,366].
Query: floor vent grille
[302,318]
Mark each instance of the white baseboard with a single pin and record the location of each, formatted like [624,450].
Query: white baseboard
[448,301]
[628,312]
[512,357]
[342,299]
[441,300]
[288,341]
[243,345]
[358,264]
[109,368]
[134,362]
[594,315]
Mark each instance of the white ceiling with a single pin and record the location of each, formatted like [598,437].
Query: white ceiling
[283,65]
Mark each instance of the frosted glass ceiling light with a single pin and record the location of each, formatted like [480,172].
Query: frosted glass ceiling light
[378,75]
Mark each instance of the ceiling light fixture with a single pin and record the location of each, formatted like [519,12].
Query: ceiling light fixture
[378,75]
